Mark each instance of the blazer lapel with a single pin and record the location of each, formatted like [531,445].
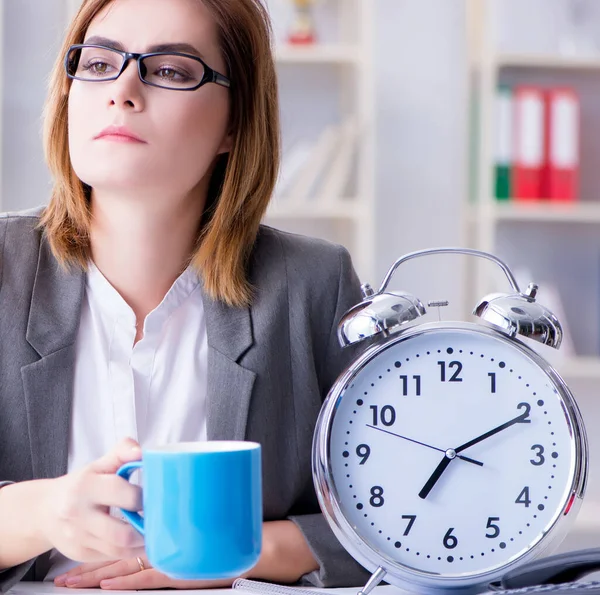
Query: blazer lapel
[230,385]
[48,383]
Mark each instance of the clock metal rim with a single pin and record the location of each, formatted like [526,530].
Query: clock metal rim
[398,574]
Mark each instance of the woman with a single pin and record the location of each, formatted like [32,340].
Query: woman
[147,305]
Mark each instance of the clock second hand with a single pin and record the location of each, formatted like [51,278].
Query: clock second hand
[467,459]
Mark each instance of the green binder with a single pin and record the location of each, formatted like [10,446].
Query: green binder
[503,142]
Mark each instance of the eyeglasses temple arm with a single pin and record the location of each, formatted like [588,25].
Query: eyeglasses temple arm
[221,80]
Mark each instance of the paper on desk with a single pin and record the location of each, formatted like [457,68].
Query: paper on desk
[45,588]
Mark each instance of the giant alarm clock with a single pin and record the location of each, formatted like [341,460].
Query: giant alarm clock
[448,452]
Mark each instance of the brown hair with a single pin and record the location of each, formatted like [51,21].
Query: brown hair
[242,181]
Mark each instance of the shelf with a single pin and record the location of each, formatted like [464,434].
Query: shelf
[579,212]
[548,61]
[316,209]
[318,54]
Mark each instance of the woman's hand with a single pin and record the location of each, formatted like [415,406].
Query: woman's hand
[284,558]
[126,575]
[74,511]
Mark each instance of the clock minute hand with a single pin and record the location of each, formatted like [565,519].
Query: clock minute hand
[501,427]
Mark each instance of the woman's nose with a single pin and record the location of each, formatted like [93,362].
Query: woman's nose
[127,90]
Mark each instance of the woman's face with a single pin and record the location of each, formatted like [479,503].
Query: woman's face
[182,131]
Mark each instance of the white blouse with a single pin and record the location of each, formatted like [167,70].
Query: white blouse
[153,391]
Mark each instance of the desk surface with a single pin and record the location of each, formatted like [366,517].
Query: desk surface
[46,588]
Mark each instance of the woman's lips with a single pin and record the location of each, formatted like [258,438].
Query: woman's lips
[119,134]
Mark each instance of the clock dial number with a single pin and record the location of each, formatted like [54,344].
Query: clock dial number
[491,525]
[363,451]
[525,416]
[450,541]
[376,497]
[405,383]
[455,376]
[492,376]
[541,459]
[411,521]
[523,497]
[387,416]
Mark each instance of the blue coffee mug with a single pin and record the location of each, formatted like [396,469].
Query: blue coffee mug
[202,508]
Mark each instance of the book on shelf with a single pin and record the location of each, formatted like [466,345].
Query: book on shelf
[319,169]
[537,143]
[529,143]
[339,170]
[561,152]
[321,153]
[293,161]
[503,142]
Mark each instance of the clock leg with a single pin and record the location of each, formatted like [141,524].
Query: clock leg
[375,579]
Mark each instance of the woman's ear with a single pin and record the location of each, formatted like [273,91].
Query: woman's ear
[226,145]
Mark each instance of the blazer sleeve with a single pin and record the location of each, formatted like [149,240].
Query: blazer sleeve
[9,577]
[336,567]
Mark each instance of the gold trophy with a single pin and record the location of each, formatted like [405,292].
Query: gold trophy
[303,26]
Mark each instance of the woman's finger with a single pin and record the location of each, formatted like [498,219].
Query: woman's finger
[92,579]
[59,581]
[126,451]
[112,490]
[147,579]
[112,535]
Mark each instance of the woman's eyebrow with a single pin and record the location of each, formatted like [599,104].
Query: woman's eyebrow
[184,48]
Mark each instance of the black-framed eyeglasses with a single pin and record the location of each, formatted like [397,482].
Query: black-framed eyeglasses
[167,70]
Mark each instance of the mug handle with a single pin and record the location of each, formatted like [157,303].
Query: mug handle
[133,517]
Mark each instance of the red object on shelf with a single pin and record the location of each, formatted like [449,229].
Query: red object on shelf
[561,152]
[529,106]
[301,39]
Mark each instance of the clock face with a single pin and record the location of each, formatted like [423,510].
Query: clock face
[451,452]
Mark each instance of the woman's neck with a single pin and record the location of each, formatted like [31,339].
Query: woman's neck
[142,248]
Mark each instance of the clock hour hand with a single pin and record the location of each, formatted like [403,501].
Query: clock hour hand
[467,459]
[435,476]
[519,419]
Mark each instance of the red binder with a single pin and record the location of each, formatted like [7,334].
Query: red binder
[529,106]
[561,154]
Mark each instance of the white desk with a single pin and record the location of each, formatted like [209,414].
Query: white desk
[48,588]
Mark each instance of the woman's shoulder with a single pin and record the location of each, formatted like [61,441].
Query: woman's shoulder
[19,247]
[19,229]
[26,219]
[299,252]
[311,270]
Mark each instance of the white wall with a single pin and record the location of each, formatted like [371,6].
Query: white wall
[32,30]
[422,95]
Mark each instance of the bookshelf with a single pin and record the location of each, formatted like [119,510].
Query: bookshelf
[521,232]
[327,89]
[565,213]
[547,61]
[318,54]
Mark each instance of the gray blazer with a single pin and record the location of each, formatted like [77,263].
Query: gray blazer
[270,367]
